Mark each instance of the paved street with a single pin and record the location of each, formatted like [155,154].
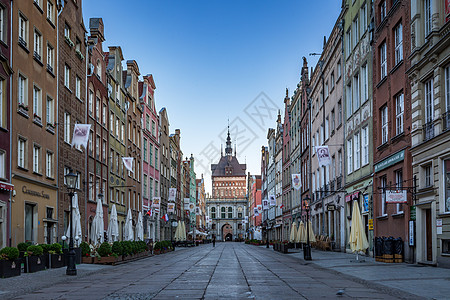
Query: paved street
[230,270]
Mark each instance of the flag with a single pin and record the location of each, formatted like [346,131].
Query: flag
[156,204]
[255,211]
[296,182]
[165,217]
[272,200]
[172,194]
[81,135]
[128,163]
[323,155]
[170,207]
[281,206]
[150,212]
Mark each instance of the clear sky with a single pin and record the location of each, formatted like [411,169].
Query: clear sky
[217,60]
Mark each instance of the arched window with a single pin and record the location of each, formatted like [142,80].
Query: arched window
[230,212]
[99,69]
[213,212]
[222,212]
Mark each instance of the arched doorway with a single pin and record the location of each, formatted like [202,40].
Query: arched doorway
[227,232]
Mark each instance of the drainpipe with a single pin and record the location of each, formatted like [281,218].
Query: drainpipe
[10,134]
[57,117]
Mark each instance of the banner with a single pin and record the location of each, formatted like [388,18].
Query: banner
[259,207]
[172,194]
[191,207]
[296,182]
[396,196]
[81,135]
[156,204]
[170,207]
[186,203]
[255,211]
[323,155]
[272,200]
[128,163]
[265,204]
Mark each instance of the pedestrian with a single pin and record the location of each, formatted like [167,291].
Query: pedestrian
[214,240]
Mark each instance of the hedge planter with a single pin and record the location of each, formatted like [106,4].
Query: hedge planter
[10,268]
[107,260]
[34,263]
[57,261]
[87,260]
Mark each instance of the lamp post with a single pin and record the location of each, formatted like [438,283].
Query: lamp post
[307,247]
[71,180]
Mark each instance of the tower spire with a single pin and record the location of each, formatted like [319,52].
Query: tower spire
[228,149]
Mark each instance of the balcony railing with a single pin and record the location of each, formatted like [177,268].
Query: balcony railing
[446,120]
[428,131]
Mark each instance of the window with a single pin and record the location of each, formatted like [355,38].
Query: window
[67,76]
[97,146]
[427,16]
[37,102]
[399,185]
[91,189]
[78,87]
[145,185]
[153,128]
[340,163]
[50,108]
[447,93]
[104,150]
[327,126]
[78,45]
[339,112]
[36,159]
[67,31]
[338,69]
[213,212]
[382,10]
[356,92]
[67,127]
[350,156]
[22,91]
[355,31]
[147,122]
[365,145]
[99,70]
[37,45]
[117,127]
[428,176]
[91,103]
[2,164]
[230,212]
[398,40]
[363,16]
[151,154]
[429,101]
[156,159]
[384,125]
[332,80]
[383,181]
[222,212]
[50,56]
[348,39]
[91,141]
[399,113]
[349,103]
[111,122]
[38,3]
[326,89]
[383,64]
[30,222]
[21,152]
[23,30]
[122,132]
[50,11]
[3,21]
[333,121]
[364,84]
[357,147]
[145,150]
[97,108]
[49,164]
[447,185]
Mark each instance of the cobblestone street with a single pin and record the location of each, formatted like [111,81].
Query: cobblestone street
[228,271]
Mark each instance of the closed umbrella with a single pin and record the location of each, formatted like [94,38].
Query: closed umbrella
[177,232]
[98,227]
[293,232]
[358,240]
[128,231]
[140,228]
[312,236]
[76,221]
[113,227]
[183,231]
[301,233]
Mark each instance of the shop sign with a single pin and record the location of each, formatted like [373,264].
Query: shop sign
[6,186]
[411,233]
[438,226]
[366,203]
[35,193]
[391,160]
[370,224]
[412,213]
[331,207]
[351,197]
[396,196]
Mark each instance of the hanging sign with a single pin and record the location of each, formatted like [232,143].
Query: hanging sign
[156,204]
[170,207]
[128,163]
[172,194]
[265,204]
[81,135]
[186,203]
[259,207]
[323,155]
[396,196]
[272,200]
[296,182]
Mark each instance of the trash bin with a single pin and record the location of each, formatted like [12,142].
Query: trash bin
[398,250]
[379,249]
[388,250]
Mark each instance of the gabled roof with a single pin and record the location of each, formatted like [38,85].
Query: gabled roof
[228,161]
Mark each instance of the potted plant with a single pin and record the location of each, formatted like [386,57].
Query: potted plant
[117,249]
[45,256]
[105,254]
[86,257]
[56,257]
[34,259]
[23,248]
[157,248]
[10,263]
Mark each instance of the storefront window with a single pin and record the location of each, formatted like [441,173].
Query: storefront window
[447,185]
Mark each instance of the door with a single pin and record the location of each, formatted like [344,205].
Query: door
[428,237]
[49,237]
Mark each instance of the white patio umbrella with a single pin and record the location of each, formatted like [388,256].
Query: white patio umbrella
[76,221]
[183,231]
[293,234]
[358,240]
[140,228]
[301,233]
[312,236]
[128,231]
[177,236]
[113,227]
[98,227]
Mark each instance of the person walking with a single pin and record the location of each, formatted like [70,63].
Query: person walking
[214,240]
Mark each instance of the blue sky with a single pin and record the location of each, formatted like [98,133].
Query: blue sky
[211,60]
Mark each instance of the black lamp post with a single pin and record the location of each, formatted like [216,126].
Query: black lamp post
[307,247]
[71,180]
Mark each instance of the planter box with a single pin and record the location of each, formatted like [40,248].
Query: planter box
[87,260]
[56,261]
[10,268]
[34,263]
[107,260]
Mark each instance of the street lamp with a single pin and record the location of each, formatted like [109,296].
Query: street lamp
[71,180]
[307,247]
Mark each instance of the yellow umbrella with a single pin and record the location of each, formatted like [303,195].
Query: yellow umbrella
[301,233]
[293,232]
[312,237]
[358,240]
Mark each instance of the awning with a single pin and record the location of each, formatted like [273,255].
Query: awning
[6,186]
